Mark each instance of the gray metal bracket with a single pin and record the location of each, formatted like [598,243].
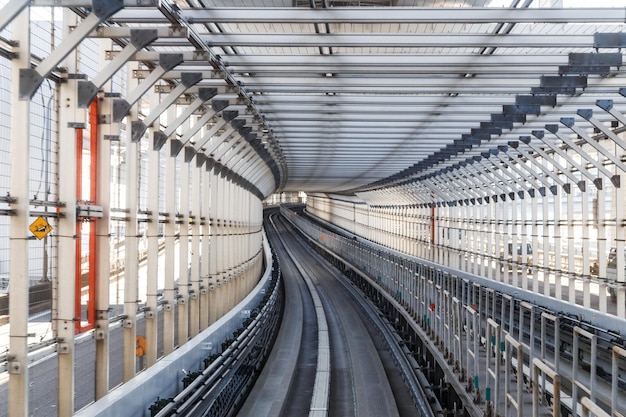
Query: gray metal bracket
[139,39]
[554,130]
[515,179]
[189,79]
[607,106]
[569,122]
[217,141]
[204,95]
[166,63]
[228,152]
[227,116]
[496,171]
[203,120]
[31,78]
[588,114]
[524,153]
[449,174]
[472,177]
[513,164]
[540,134]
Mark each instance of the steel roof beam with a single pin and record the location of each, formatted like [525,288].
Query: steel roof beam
[283,71]
[362,15]
[410,61]
[386,40]
[189,57]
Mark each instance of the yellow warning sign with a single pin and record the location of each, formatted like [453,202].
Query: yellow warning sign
[40,228]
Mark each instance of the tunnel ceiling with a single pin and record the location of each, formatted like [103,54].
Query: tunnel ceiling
[357,95]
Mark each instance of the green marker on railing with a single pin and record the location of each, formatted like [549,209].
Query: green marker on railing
[488,394]
[502,346]
[493,340]
[476,382]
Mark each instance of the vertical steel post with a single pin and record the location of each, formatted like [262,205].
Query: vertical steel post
[183,244]
[599,222]
[19,281]
[131,252]
[66,294]
[213,244]
[169,231]
[558,267]
[620,236]
[103,260]
[585,235]
[571,239]
[194,276]
[205,257]
[152,261]
[534,232]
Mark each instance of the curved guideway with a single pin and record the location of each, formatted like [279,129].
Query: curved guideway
[363,379]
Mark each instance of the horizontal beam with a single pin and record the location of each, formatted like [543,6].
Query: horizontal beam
[124,32]
[390,69]
[385,40]
[404,60]
[392,100]
[362,15]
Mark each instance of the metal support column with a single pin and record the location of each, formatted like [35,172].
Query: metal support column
[152,267]
[194,273]
[205,259]
[213,242]
[103,244]
[169,232]
[69,118]
[556,238]
[17,358]
[183,244]
[131,252]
